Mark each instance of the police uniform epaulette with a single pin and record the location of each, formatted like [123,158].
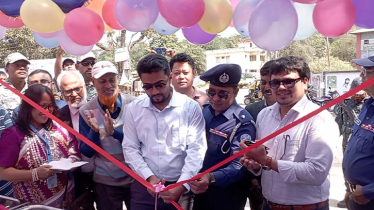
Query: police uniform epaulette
[244,117]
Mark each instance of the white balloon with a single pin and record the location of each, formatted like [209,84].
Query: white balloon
[306,26]
[162,27]
[2,32]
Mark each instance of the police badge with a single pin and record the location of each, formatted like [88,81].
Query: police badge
[224,78]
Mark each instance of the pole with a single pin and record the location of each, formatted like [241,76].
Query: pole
[328,53]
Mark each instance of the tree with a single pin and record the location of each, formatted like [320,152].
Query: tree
[344,47]
[321,65]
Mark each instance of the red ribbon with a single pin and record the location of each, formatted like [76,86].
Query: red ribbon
[236,155]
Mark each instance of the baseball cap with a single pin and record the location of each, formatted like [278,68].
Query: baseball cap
[85,56]
[14,57]
[103,67]
[366,62]
[67,59]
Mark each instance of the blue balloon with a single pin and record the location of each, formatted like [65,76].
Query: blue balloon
[46,42]
[162,27]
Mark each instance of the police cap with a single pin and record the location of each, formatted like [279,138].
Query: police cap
[223,75]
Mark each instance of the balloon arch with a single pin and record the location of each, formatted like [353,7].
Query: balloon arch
[77,25]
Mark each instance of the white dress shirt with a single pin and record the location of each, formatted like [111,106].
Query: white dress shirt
[304,160]
[74,117]
[169,144]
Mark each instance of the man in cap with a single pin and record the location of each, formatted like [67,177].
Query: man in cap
[16,65]
[226,124]
[298,161]
[101,121]
[183,73]
[358,158]
[84,65]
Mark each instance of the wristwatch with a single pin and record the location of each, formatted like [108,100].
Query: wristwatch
[212,179]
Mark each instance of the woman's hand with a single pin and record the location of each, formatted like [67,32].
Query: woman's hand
[45,171]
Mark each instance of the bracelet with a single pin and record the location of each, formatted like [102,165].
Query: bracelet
[34,175]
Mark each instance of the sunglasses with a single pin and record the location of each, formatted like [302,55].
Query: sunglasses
[157,85]
[70,91]
[287,83]
[86,63]
[365,70]
[221,94]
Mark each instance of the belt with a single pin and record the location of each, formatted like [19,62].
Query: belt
[314,206]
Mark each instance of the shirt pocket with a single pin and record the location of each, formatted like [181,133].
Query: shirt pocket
[174,141]
[289,149]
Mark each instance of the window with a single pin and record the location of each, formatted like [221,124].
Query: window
[227,59]
[250,44]
[223,58]
[262,58]
[252,58]
[217,59]
[246,56]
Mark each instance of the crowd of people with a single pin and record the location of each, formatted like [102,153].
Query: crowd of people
[175,132]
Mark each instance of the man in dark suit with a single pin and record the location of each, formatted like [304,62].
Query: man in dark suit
[254,193]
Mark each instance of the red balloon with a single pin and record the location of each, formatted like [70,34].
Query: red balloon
[307,1]
[109,16]
[10,22]
[333,18]
[182,13]
[84,26]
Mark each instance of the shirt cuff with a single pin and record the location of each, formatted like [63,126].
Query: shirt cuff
[368,191]
[118,134]
[146,173]
[186,185]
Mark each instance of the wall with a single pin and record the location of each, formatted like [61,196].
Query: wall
[336,80]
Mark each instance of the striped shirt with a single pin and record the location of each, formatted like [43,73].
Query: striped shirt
[6,187]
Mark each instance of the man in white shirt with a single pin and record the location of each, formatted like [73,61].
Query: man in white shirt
[164,136]
[300,158]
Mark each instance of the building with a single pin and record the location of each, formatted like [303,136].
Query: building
[365,42]
[247,55]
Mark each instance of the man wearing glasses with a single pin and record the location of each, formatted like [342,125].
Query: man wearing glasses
[84,65]
[299,160]
[226,124]
[164,136]
[358,157]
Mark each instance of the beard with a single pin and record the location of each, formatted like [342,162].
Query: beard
[109,101]
[161,98]
[78,104]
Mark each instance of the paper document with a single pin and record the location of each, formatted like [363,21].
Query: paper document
[65,164]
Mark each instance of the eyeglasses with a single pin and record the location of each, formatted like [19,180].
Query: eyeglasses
[77,90]
[49,107]
[365,70]
[157,85]
[86,63]
[43,82]
[223,95]
[288,83]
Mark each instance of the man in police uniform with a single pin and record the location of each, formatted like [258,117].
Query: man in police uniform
[345,120]
[226,125]
[358,159]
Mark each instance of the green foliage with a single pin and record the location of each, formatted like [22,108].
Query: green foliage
[321,65]
[344,47]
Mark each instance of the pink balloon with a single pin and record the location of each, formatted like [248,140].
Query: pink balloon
[333,18]
[273,24]
[84,26]
[47,35]
[71,47]
[2,32]
[196,35]
[182,13]
[308,1]
[234,3]
[109,16]
[10,22]
[136,15]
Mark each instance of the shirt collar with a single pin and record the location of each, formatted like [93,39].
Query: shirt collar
[228,112]
[196,93]
[175,101]
[73,110]
[118,103]
[23,89]
[298,107]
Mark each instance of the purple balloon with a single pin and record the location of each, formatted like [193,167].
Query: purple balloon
[273,24]
[242,14]
[2,32]
[71,47]
[196,35]
[136,15]
[365,13]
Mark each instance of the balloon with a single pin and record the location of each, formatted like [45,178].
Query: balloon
[68,5]
[70,47]
[273,24]
[305,27]
[10,22]
[47,35]
[97,6]
[46,42]
[109,16]
[42,15]
[365,11]
[217,16]
[333,18]
[162,27]
[196,35]
[11,7]
[2,32]
[242,14]
[182,13]
[136,15]
[308,1]
[84,26]
[234,4]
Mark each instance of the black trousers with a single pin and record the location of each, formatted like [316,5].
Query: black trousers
[111,197]
[355,206]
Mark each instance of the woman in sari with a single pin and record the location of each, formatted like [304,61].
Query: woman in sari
[28,146]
